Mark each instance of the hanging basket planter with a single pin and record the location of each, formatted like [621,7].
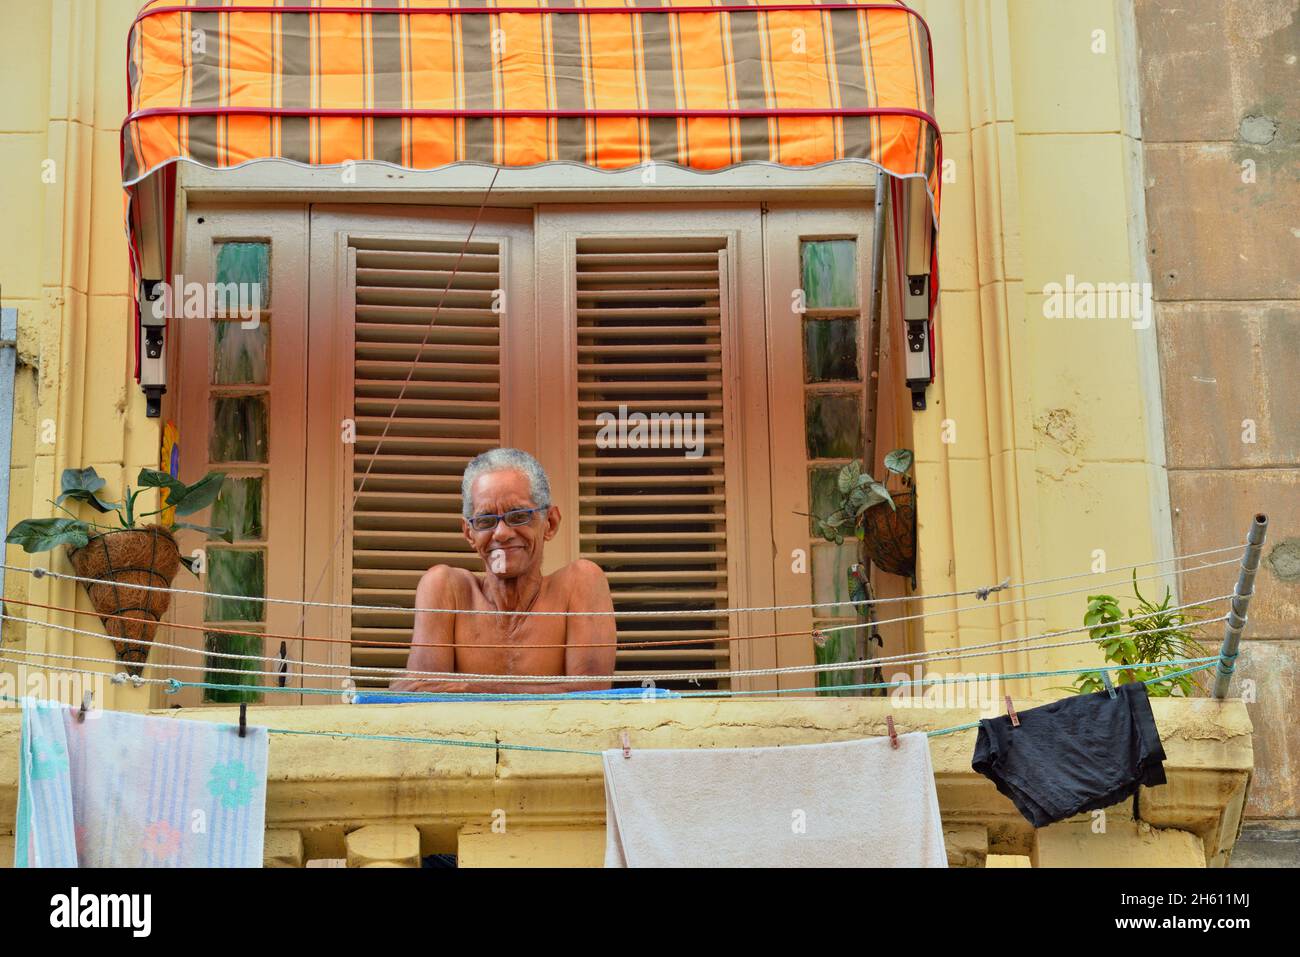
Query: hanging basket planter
[127,558]
[130,562]
[889,538]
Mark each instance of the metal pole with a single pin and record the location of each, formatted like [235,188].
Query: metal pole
[8,367]
[1240,602]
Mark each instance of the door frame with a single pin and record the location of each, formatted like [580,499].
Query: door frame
[329,388]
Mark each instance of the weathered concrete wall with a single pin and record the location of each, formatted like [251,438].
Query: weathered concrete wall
[1221,145]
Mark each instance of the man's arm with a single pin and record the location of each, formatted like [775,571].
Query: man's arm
[591,638]
[433,634]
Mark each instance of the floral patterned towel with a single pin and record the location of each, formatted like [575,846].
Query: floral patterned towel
[133,790]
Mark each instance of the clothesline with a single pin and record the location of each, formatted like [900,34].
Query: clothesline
[1092,588]
[173,685]
[382,672]
[981,592]
[658,645]
[653,644]
[948,654]
[503,746]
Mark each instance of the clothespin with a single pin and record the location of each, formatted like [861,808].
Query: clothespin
[284,664]
[243,719]
[1105,679]
[893,732]
[627,744]
[1011,713]
[86,700]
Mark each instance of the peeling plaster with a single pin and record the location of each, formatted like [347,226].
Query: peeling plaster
[1284,560]
[1258,130]
[1060,428]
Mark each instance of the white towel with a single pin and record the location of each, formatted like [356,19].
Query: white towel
[842,804]
[133,790]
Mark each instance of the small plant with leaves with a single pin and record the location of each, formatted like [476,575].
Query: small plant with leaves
[858,491]
[127,568]
[887,536]
[86,485]
[1157,633]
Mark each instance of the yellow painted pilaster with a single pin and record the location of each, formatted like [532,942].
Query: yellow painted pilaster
[1037,440]
[76,404]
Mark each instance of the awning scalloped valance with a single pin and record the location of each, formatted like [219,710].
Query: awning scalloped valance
[701,84]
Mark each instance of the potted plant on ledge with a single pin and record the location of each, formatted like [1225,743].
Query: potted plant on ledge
[1144,641]
[126,554]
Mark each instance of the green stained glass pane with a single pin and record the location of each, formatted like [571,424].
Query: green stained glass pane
[248,264]
[216,644]
[239,508]
[830,350]
[840,645]
[823,495]
[239,429]
[235,572]
[239,354]
[834,426]
[830,568]
[830,273]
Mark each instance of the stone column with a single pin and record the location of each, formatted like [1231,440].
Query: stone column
[384,845]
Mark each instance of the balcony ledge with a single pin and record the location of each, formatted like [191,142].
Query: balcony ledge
[385,803]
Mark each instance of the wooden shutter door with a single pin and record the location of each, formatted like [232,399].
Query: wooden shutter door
[823,398]
[239,400]
[417,423]
[654,309]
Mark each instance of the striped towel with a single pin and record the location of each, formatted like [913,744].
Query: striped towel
[133,790]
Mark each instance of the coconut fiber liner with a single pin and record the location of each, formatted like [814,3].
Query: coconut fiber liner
[136,556]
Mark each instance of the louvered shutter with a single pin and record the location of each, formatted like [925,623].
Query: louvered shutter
[648,336]
[407,514]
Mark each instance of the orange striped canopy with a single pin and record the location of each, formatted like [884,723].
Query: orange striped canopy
[703,84]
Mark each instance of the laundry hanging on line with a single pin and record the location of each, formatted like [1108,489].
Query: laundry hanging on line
[1074,755]
[117,789]
[840,804]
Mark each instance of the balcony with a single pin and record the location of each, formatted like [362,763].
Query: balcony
[384,804]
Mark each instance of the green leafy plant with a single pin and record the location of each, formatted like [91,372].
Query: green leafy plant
[1156,634]
[858,491]
[85,486]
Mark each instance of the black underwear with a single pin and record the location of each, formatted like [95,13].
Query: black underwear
[1074,755]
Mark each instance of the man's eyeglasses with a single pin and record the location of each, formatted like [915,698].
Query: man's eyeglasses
[514,518]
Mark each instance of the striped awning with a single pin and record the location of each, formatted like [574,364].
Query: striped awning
[703,84]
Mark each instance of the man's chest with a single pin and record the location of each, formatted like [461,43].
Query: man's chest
[515,645]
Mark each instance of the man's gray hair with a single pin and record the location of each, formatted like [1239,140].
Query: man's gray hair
[500,460]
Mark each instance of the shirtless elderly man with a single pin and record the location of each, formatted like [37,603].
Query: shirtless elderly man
[508,518]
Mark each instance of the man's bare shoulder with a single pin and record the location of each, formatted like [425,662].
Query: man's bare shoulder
[581,570]
[447,580]
[582,581]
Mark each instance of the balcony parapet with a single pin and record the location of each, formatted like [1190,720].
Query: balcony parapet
[379,803]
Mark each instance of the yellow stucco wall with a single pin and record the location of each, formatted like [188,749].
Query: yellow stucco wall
[63,264]
[1057,451]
